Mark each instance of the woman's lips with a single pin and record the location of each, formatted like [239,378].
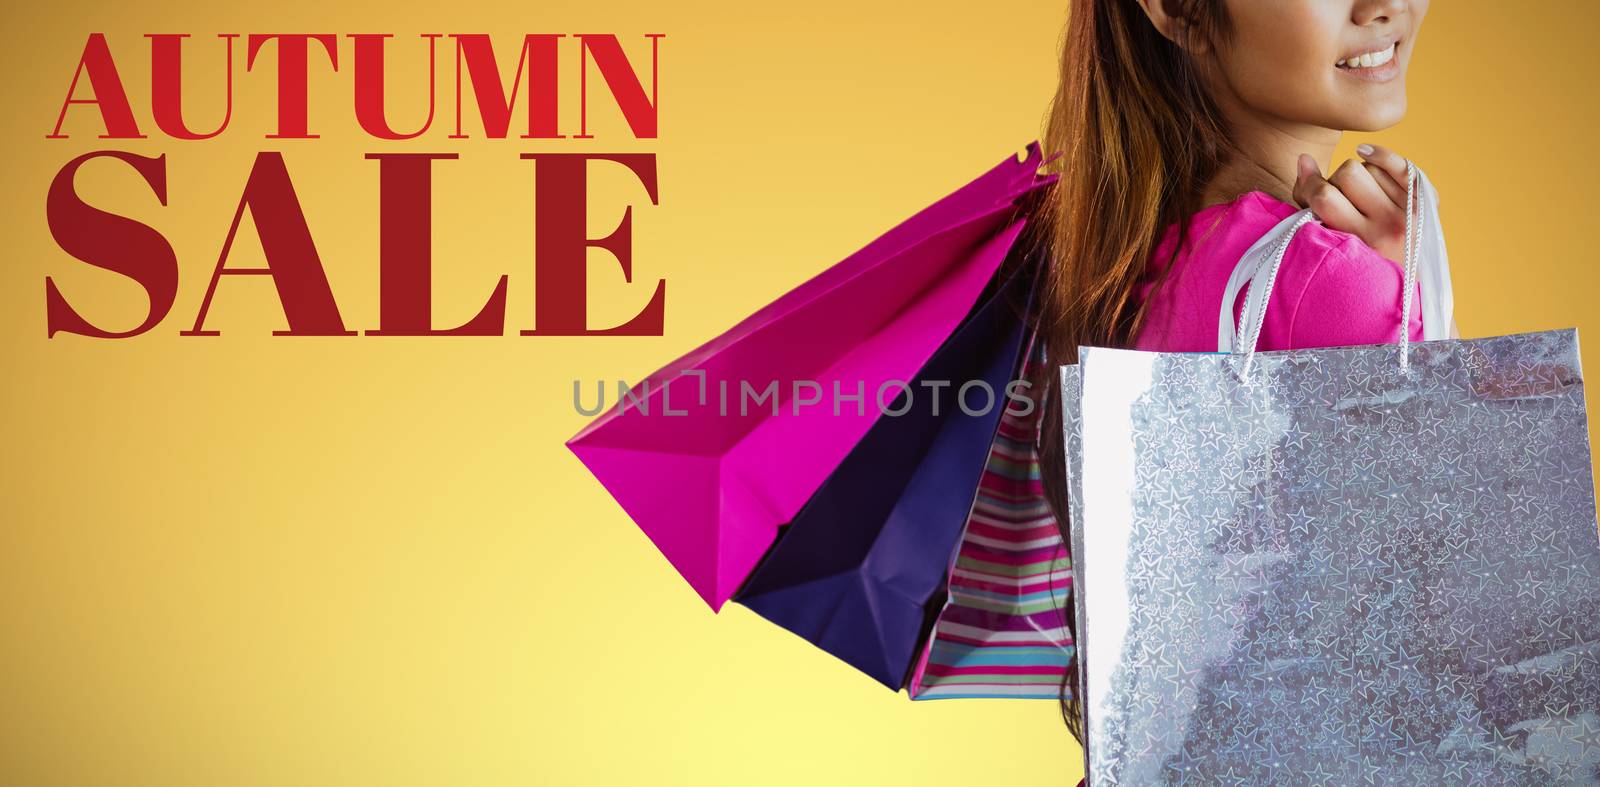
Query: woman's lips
[1381,65]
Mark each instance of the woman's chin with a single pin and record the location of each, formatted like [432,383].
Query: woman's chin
[1374,118]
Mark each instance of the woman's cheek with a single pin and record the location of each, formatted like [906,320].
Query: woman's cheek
[1284,62]
[1296,94]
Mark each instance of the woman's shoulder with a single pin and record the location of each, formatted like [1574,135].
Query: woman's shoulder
[1319,256]
[1262,211]
[1332,288]
[1218,234]
[1344,287]
[1350,295]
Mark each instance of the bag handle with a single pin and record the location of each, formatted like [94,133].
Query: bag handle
[1425,258]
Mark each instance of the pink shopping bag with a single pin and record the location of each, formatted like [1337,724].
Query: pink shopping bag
[711,484]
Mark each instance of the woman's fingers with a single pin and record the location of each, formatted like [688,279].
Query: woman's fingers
[1362,189]
[1353,201]
[1306,178]
[1324,199]
[1388,168]
[1385,159]
[1396,191]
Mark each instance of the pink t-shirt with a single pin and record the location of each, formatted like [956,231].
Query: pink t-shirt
[1332,288]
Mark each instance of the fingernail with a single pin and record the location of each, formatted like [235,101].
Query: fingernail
[1364,150]
[1306,164]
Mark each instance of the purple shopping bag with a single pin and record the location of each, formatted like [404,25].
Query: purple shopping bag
[858,569]
[747,444]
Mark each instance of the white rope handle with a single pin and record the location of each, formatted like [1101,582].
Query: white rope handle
[1256,318]
[1413,231]
[1261,287]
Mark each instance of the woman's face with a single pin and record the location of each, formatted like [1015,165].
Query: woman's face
[1338,64]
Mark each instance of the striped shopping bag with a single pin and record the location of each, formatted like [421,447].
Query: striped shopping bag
[1002,631]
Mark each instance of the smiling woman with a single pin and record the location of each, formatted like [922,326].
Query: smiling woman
[1188,129]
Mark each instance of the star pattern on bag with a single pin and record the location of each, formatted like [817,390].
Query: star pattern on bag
[1340,575]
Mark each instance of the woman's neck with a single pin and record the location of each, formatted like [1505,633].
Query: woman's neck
[1266,151]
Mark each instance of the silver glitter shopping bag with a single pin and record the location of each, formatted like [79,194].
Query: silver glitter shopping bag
[1355,565]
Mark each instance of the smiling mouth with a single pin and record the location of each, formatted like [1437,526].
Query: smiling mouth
[1366,60]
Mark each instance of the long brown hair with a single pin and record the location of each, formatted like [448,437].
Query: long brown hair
[1138,139]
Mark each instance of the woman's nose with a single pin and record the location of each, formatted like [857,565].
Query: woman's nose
[1369,12]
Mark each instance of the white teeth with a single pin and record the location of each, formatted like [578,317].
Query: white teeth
[1368,59]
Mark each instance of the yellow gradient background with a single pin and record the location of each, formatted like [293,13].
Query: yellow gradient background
[257,560]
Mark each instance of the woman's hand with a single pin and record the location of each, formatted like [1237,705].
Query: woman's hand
[1364,198]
